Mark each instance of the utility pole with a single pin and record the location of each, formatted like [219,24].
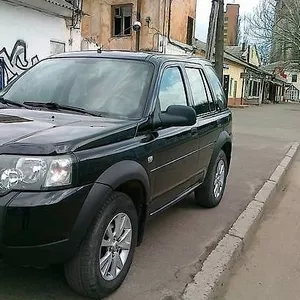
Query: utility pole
[138,33]
[219,54]
[211,35]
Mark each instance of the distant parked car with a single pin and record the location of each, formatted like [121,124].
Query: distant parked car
[93,145]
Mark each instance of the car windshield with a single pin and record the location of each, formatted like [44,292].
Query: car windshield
[112,87]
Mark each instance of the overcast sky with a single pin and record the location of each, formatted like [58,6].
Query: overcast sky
[203,12]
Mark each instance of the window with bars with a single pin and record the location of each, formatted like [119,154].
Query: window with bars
[121,20]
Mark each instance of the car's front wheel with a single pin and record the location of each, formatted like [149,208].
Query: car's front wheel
[210,194]
[102,261]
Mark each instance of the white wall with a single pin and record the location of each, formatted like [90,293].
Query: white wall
[289,78]
[36,29]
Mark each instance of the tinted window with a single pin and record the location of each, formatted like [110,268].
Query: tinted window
[172,91]
[198,91]
[216,86]
[112,87]
[212,103]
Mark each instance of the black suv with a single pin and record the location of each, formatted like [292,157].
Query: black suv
[94,144]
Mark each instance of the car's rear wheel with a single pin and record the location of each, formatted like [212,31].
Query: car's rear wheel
[103,260]
[210,194]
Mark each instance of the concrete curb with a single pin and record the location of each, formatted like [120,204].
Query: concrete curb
[214,274]
[238,106]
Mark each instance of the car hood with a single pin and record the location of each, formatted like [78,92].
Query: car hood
[24,131]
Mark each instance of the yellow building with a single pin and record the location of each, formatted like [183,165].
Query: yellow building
[233,68]
[246,79]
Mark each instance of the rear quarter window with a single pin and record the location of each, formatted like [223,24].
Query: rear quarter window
[216,86]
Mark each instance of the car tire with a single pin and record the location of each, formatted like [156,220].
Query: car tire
[210,194]
[103,259]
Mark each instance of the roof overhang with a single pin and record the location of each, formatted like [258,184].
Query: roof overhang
[59,8]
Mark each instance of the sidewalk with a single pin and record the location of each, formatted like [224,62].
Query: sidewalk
[270,267]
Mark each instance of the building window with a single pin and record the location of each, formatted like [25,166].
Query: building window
[226,19]
[230,86]
[190,31]
[235,89]
[294,78]
[254,89]
[57,47]
[122,20]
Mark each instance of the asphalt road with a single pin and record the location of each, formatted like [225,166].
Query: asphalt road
[177,241]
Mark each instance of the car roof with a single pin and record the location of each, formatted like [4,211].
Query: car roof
[154,57]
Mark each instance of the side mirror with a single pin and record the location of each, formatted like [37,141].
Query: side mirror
[178,115]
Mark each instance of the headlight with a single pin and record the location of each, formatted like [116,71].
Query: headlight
[34,173]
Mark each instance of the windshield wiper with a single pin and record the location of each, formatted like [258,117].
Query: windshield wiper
[57,106]
[9,102]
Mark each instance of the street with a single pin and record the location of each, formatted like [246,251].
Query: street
[177,241]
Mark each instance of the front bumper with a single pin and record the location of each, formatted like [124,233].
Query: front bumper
[44,228]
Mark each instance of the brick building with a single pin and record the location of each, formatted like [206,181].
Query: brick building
[167,26]
[231,24]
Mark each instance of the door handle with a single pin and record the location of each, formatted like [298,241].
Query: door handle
[194,131]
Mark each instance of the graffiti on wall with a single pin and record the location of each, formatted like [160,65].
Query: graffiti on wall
[16,62]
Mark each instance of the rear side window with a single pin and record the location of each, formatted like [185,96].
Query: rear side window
[216,86]
[172,90]
[198,91]
[212,103]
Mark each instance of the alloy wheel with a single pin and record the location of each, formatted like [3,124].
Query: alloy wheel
[115,246]
[219,179]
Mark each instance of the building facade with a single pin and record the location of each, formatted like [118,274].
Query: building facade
[33,30]
[291,93]
[166,26]
[233,69]
[231,24]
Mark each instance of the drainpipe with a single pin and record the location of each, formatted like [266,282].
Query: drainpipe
[138,34]
[164,26]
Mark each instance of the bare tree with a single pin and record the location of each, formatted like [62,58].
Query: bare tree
[274,26]
[259,27]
